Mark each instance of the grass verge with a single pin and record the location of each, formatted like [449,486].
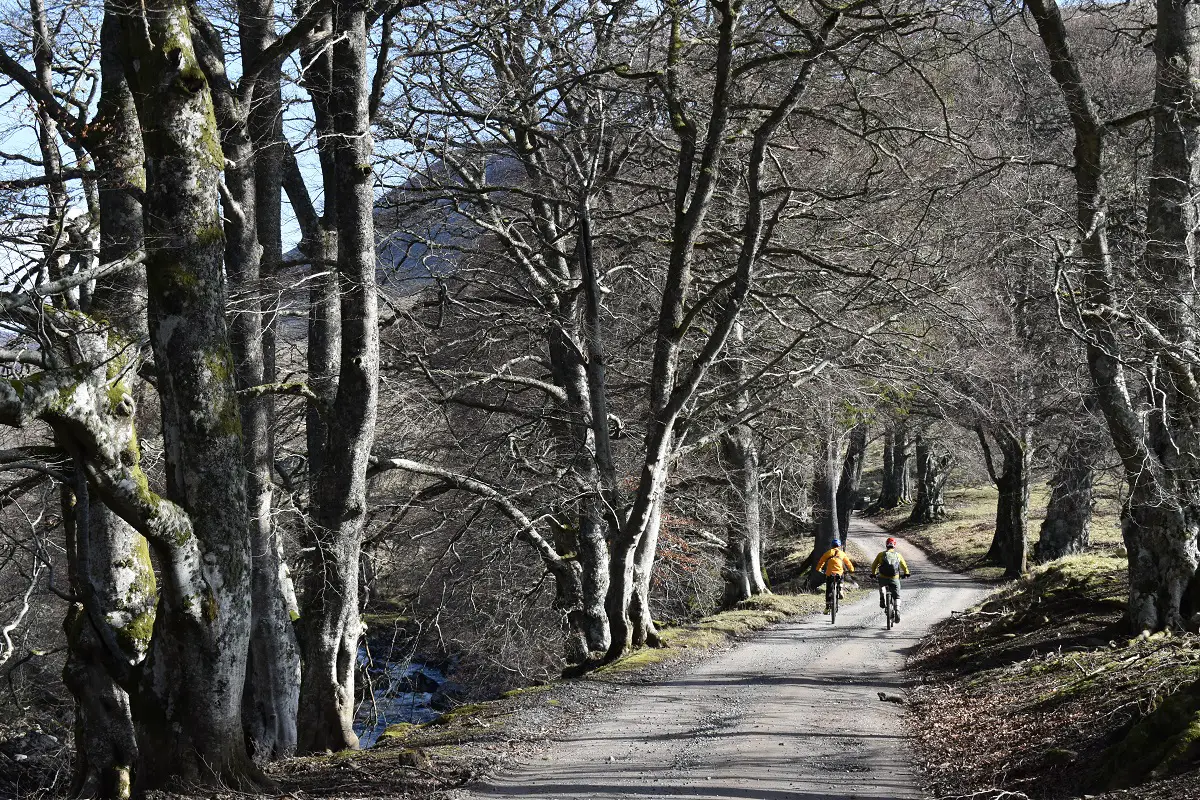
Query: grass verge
[960,541]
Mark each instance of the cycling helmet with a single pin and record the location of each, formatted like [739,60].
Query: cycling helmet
[891,542]
[836,543]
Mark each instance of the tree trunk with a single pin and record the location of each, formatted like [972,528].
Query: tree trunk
[897,454]
[188,707]
[114,565]
[1066,529]
[1011,540]
[1161,540]
[743,553]
[331,616]
[825,486]
[588,634]
[643,630]
[852,467]
[743,550]
[254,179]
[932,474]
[1160,450]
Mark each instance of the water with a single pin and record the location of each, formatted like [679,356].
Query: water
[403,692]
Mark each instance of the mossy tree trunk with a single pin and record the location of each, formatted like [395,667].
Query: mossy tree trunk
[932,473]
[330,618]
[1066,529]
[188,706]
[1159,443]
[273,673]
[110,562]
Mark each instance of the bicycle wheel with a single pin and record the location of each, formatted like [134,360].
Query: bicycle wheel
[833,604]
[890,607]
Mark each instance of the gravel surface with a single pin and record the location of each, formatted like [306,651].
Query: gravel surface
[794,713]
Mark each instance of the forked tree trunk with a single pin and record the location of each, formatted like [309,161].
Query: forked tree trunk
[673,385]
[852,467]
[330,620]
[1162,458]
[932,473]
[1066,529]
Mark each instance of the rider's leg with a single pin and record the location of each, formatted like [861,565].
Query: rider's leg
[828,593]
[882,596]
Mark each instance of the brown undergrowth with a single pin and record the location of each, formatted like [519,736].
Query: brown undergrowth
[1039,691]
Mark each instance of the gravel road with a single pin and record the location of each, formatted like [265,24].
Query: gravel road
[793,714]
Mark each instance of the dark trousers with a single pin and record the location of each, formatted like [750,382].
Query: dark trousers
[832,581]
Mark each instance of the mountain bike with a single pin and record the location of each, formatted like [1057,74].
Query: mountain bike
[833,599]
[889,606]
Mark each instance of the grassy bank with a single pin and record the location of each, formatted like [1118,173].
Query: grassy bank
[960,541]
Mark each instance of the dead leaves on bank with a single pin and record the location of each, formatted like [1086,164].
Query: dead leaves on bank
[1031,697]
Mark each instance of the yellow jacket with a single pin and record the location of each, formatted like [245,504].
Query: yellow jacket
[879,560]
[835,562]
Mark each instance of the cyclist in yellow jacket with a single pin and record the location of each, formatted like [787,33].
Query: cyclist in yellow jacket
[833,565]
[889,566]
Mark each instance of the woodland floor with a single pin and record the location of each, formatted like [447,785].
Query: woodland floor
[1040,690]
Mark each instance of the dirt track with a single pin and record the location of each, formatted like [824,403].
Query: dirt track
[793,714]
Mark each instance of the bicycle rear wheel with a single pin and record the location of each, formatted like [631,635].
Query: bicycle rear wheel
[833,605]
[890,610]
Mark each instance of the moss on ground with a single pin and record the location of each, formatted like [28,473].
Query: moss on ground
[960,542]
[1163,742]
